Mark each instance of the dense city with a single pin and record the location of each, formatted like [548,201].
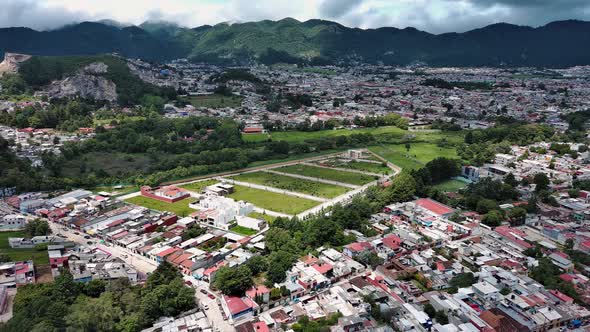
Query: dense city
[189,196]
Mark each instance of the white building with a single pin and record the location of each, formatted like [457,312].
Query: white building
[12,222]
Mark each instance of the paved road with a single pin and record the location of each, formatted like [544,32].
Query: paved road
[128,196]
[274,190]
[140,263]
[303,177]
[214,312]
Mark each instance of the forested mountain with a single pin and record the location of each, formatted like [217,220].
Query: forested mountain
[558,44]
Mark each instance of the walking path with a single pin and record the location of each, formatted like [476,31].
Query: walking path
[128,196]
[303,177]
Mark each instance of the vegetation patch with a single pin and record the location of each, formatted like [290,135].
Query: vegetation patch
[198,186]
[243,230]
[272,201]
[378,168]
[215,101]
[265,217]
[292,184]
[416,157]
[451,185]
[328,174]
[179,208]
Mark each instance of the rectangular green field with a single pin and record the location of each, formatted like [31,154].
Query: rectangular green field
[272,201]
[198,186]
[328,174]
[377,168]
[451,185]
[215,101]
[243,230]
[39,257]
[255,137]
[317,189]
[179,208]
[266,217]
[301,136]
[417,157]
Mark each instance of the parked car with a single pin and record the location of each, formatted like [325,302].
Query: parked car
[204,292]
[86,236]
[211,296]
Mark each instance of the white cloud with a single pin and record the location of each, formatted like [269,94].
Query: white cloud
[429,15]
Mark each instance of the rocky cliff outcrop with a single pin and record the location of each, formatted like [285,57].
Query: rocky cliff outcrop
[11,62]
[86,83]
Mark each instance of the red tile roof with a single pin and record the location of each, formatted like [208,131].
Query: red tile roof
[260,327]
[434,206]
[237,305]
[514,235]
[392,241]
[359,246]
[323,269]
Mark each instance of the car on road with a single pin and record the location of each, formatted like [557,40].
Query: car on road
[204,292]
[86,236]
[211,296]
[206,307]
[76,233]
[89,242]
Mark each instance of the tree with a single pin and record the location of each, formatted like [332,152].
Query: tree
[278,265]
[429,310]
[541,181]
[233,281]
[37,227]
[493,218]
[257,264]
[463,280]
[163,275]
[403,188]
[511,180]
[408,146]
[469,138]
[517,215]
[486,205]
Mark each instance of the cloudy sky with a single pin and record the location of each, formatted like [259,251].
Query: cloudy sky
[434,16]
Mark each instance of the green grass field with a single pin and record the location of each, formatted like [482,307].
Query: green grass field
[255,137]
[266,217]
[272,201]
[292,184]
[198,186]
[243,230]
[112,163]
[38,257]
[357,165]
[451,185]
[215,101]
[419,155]
[179,208]
[328,174]
[300,136]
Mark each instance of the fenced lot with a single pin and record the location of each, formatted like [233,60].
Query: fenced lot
[317,189]
[328,174]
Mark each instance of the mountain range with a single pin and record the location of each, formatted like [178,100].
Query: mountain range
[557,44]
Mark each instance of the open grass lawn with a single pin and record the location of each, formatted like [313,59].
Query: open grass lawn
[357,165]
[215,101]
[300,136]
[112,163]
[419,155]
[179,208]
[451,185]
[273,201]
[243,230]
[198,186]
[255,137]
[292,184]
[38,257]
[103,122]
[328,174]
[266,217]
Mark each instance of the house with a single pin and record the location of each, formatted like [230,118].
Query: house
[168,194]
[251,223]
[12,222]
[485,291]
[236,307]
[435,208]
[354,249]
[259,292]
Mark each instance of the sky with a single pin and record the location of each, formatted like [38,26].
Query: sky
[435,16]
